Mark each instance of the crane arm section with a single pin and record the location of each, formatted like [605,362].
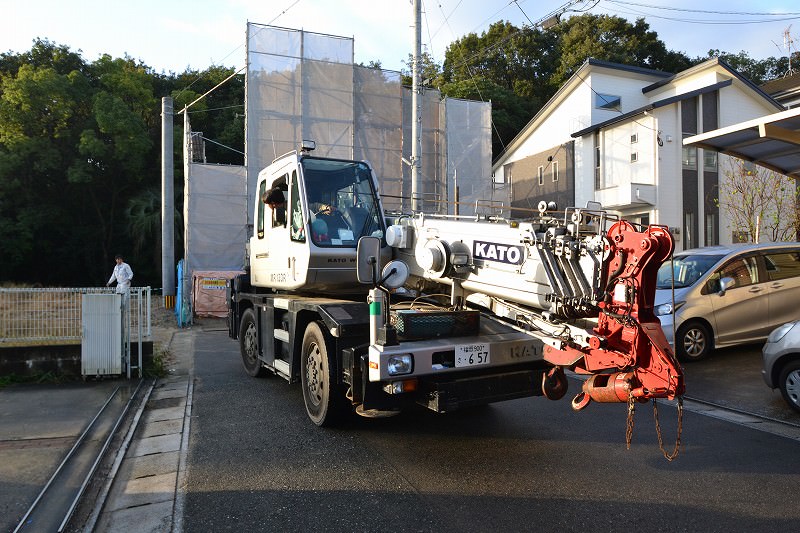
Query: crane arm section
[627,354]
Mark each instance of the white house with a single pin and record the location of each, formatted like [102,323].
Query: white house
[612,134]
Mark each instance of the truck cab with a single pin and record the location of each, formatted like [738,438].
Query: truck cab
[308,242]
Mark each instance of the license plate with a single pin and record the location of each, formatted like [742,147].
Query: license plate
[472,354]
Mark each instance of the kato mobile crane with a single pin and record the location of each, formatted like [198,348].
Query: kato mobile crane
[372,311]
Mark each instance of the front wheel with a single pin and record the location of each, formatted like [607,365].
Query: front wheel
[324,399]
[789,383]
[693,342]
[248,345]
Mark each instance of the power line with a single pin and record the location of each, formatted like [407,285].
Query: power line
[624,7]
[279,15]
[712,12]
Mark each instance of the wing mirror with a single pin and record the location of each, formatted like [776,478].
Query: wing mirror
[725,284]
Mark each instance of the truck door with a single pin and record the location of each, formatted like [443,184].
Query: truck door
[269,245]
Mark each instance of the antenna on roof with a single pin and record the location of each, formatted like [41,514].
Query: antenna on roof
[788,43]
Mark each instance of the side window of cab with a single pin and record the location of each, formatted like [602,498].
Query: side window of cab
[262,190]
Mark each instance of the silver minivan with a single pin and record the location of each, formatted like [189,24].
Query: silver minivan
[721,296]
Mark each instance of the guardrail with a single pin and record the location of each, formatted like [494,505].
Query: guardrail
[53,315]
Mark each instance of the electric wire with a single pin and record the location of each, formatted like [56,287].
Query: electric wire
[623,7]
[279,15]
[709,11]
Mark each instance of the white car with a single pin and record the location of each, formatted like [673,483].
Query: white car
[781,362]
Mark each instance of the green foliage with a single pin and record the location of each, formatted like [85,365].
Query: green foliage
[80,164]
[157,367]
[614,39]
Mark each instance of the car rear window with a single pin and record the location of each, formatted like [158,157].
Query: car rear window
[782,265]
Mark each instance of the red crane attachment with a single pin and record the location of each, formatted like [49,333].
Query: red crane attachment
[627,355]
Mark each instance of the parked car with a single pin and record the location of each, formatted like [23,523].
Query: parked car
[781,362]
[721,296]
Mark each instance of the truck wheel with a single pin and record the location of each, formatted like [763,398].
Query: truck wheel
[325,402]
[789,383]
[693,342]
[248,345]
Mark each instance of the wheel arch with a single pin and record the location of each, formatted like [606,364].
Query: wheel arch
[301,321]
[705,322]
[711,342]
[779,364]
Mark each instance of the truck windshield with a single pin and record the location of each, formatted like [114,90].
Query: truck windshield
[686,268]
[342,203]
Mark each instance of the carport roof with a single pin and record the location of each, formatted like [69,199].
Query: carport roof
[772,141]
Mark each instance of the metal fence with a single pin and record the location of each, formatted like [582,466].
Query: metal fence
[53,315]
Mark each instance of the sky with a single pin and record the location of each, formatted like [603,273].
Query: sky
[173,35]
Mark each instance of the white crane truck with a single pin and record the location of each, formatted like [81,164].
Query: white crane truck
[466,310]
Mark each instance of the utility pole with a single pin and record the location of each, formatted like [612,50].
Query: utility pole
[416,104]
[167,204]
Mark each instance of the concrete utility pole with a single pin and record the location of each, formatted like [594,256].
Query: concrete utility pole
[416,105]
[167,204]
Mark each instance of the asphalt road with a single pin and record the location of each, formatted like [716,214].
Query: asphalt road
[256,463]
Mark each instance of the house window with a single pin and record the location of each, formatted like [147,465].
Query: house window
[607,101]
[689,156]
[634,138]
[554,170]
[712,235]
[709,160]
[541,175]
[597,160]
[634,157]
[688,229]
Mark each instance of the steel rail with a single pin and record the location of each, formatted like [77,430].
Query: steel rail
[72,459]
[99,457]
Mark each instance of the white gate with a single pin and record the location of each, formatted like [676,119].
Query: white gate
[102,342]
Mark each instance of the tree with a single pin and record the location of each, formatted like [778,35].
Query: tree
[429,71]
[518,59]
[80,167]
[40,110]
[614,39]
[759,202]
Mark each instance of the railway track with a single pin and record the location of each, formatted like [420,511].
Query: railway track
[59,498]
[743,417]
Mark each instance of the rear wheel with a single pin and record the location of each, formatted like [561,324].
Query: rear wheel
[693,342]
[324,399]
[248,345]
[789,383]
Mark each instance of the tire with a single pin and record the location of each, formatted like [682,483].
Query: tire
[324,398]
[789,383]
[693,342]
[248,345]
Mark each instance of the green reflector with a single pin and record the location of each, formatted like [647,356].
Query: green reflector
[374,308]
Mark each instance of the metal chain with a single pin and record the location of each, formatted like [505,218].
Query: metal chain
[676,449]
[629,428]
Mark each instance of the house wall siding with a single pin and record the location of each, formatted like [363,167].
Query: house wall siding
[667,191]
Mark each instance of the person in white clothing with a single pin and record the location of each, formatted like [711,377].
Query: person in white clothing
[122,275]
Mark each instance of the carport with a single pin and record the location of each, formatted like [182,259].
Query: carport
[772,141]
